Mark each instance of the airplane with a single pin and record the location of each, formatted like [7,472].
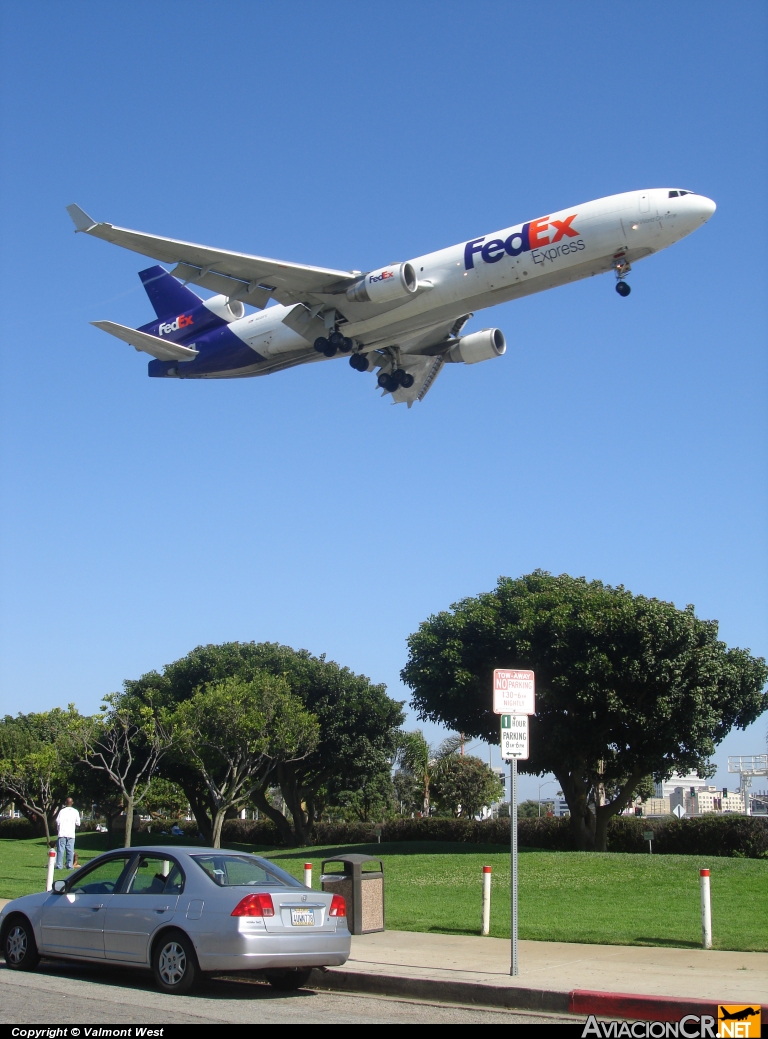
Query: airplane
[404,319]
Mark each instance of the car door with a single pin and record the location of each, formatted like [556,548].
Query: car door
[148,899]
[73,922]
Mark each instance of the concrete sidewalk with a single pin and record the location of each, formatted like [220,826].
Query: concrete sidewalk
[554,976]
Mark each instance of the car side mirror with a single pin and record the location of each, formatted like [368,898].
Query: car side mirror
[58,887]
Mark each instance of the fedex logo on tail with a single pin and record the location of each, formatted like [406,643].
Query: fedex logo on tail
[533,237]
[173,326]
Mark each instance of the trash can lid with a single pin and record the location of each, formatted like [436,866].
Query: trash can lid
[354,859]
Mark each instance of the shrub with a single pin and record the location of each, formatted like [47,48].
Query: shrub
[16,829]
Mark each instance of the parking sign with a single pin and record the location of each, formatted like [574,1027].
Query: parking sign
[514,737]
[513,692]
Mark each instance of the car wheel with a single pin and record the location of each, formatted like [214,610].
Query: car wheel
[289,980]
[174,963]
[19,945]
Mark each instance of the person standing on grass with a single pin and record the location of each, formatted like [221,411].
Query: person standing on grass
[66,821]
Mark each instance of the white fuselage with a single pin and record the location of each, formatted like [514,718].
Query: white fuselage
[555,249]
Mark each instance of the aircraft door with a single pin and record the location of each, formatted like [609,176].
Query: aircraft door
[645,202]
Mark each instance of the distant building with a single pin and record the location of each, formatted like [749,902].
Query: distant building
[709,800]
[561,808]
[653,806]
[666,788]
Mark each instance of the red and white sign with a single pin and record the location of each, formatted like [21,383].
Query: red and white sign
[513,692]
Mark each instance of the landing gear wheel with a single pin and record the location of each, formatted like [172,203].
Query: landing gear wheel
[383,379]
[289,980]
[622,288]
[321,344]
[174,963]
[407,381]
[345,345]
[392,383]
[336,339]
[359,362]
[19,945]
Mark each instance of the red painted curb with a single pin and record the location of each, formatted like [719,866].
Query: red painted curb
[642,1008]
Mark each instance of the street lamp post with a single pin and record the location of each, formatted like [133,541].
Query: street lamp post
[540,787]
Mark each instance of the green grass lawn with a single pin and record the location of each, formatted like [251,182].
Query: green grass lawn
[609,899]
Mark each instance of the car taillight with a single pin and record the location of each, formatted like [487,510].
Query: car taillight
[255,905]
[338,906]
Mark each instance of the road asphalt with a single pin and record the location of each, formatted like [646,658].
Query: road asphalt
[61,994]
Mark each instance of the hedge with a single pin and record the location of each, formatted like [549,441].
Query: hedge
[22,829]
[719,835]
[710,835]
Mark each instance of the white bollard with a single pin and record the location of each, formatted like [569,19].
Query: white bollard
[486,900]
[307,874]
[706,910]
[51,864]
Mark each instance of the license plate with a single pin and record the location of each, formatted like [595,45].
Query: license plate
[302,917]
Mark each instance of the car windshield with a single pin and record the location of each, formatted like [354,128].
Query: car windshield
[242,871]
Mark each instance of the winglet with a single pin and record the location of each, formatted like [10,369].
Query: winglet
[80,218]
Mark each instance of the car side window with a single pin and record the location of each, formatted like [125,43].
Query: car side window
[155,875]
[102,879]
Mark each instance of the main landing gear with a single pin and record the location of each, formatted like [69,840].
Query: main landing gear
[359,362]
[622,288]
[335,342]
[391,381]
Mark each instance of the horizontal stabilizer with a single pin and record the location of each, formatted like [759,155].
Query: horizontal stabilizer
[80,218]
[148,344]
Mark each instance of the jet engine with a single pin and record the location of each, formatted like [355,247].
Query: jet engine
[398,281]
[479,346]
[225,308]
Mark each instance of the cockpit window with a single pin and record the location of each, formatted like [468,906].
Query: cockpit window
[680,191]
[674,194]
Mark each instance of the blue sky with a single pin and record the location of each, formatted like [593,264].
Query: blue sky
[617,439]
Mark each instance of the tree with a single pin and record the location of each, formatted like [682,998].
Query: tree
[235,733]
[165,799]
[464,784]
[423,762]
[626,686]
[357,721]
[36,764]
[126,743]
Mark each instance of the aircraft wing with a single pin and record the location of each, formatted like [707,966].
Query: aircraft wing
[252,279]
[148,344]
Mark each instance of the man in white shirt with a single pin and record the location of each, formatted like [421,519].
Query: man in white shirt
[66,821]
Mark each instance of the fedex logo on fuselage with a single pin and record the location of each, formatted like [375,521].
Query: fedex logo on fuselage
[381,277]
[173,326]
[534,235]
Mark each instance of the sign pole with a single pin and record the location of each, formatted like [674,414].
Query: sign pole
[513,859]
[514,698]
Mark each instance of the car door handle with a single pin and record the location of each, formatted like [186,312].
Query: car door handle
[162,909]
[95,909]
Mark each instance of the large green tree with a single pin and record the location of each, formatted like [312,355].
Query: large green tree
[626,686]
[357,722]
[236,733]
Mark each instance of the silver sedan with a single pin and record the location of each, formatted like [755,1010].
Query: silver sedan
[182,912]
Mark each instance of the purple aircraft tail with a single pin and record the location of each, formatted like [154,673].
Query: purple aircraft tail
[168,296]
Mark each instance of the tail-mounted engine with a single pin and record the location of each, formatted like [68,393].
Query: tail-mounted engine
[397,281]
[479,346]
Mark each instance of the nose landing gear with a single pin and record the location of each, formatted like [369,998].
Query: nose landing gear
[622,267]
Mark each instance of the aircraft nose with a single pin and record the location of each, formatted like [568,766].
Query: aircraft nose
[706,207]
